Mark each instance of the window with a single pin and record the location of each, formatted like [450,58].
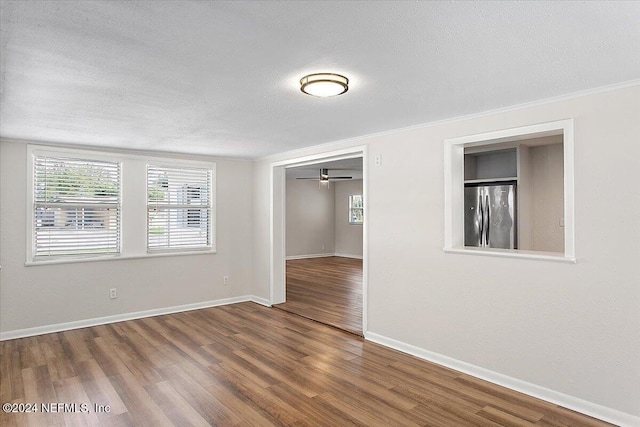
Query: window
[179,208]
[356,209]
[76,207]
[85,205]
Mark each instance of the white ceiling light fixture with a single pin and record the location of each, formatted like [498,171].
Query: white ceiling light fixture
[324,84]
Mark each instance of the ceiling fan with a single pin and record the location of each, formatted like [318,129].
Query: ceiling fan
[324,176]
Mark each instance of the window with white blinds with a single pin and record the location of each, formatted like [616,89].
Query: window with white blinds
[76,207]
[179,208]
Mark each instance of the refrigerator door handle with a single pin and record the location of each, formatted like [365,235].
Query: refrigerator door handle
[481,224]
[488,217]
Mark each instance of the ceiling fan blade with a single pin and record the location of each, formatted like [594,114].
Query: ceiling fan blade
[324,176]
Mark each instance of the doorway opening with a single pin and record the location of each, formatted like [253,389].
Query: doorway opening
[318,239]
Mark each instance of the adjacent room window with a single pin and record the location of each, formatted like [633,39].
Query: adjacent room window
[356,209]
[179,208]
[76,207]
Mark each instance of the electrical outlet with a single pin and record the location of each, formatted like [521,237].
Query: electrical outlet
[113,293]
[225,280]
[378,160]
[323,247]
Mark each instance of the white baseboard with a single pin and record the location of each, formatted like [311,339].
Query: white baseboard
[308,256]
[59,327]
[576,404]
[348,256]
[322,256]
[261,301]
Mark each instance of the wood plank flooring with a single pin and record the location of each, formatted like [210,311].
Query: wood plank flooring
[247,365]
[327,290]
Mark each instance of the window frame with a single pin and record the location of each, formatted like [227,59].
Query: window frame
[211,220]
[351,209]
[42,152]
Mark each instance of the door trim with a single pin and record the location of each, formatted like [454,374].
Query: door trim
[277,221]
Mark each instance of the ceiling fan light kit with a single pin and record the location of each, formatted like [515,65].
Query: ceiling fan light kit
[324,85]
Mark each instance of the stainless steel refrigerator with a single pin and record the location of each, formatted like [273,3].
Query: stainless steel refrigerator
[490,215]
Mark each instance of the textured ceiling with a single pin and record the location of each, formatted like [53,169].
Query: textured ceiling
[221,78]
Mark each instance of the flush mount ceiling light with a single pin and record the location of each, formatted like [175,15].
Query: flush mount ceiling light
[324,84]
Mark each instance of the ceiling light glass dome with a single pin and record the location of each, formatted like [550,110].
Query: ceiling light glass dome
[324,84]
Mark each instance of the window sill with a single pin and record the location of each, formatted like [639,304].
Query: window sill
[116,257]
[506,253]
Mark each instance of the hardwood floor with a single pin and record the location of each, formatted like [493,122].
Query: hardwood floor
[327,290]
[246,364]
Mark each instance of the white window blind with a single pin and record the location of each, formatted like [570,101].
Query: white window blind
[356,209]
[179,210]
[76,207]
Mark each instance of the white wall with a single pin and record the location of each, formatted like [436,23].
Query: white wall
[541,195]
[548,197]
[570,328]
[317,221]
[310,218]
[348,236]
[43,295]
